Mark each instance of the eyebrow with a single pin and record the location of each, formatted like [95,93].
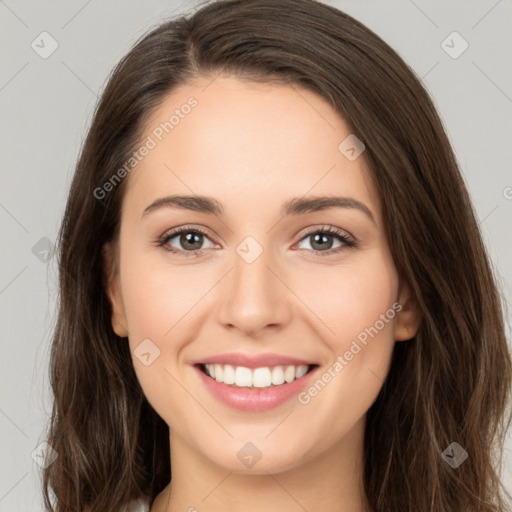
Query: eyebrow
[292,207]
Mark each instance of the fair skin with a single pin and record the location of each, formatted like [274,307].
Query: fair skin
[252,147]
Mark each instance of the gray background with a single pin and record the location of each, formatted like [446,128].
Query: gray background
[47,105]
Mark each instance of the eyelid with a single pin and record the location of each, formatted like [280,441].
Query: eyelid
[327,228]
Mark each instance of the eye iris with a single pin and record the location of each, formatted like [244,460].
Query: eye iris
[320,240]
[189,238]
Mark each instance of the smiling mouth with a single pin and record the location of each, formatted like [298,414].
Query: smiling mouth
[256,378]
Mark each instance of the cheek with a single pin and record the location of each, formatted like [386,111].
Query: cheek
[349,299]
[157,297]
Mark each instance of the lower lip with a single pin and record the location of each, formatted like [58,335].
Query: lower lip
[254,399]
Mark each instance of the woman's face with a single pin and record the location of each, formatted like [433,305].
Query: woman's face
[261,277]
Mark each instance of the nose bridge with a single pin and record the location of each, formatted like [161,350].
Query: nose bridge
[251,272]
[255,297]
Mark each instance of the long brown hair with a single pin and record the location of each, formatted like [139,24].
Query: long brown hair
[451,383]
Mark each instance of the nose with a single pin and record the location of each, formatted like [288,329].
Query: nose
[255,297]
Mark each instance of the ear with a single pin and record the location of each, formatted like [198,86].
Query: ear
[113,290]
[408,318]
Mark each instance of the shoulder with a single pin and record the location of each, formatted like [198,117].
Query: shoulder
[141,505]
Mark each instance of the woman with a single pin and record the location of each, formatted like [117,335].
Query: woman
[274,292]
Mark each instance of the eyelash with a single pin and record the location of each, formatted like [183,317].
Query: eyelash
[329,230]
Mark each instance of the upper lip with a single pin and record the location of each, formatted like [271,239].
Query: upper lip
[253,361]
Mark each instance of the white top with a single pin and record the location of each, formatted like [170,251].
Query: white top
[137,506]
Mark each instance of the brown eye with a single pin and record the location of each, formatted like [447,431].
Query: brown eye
[322,240]
[189,240]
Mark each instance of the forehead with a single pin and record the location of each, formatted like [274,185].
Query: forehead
[246,143]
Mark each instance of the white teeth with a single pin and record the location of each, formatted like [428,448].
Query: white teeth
[289,374]
[301,371]
[261,378]
[277,375]
[229,374]
[243,376]
[258,377]
[219,373]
